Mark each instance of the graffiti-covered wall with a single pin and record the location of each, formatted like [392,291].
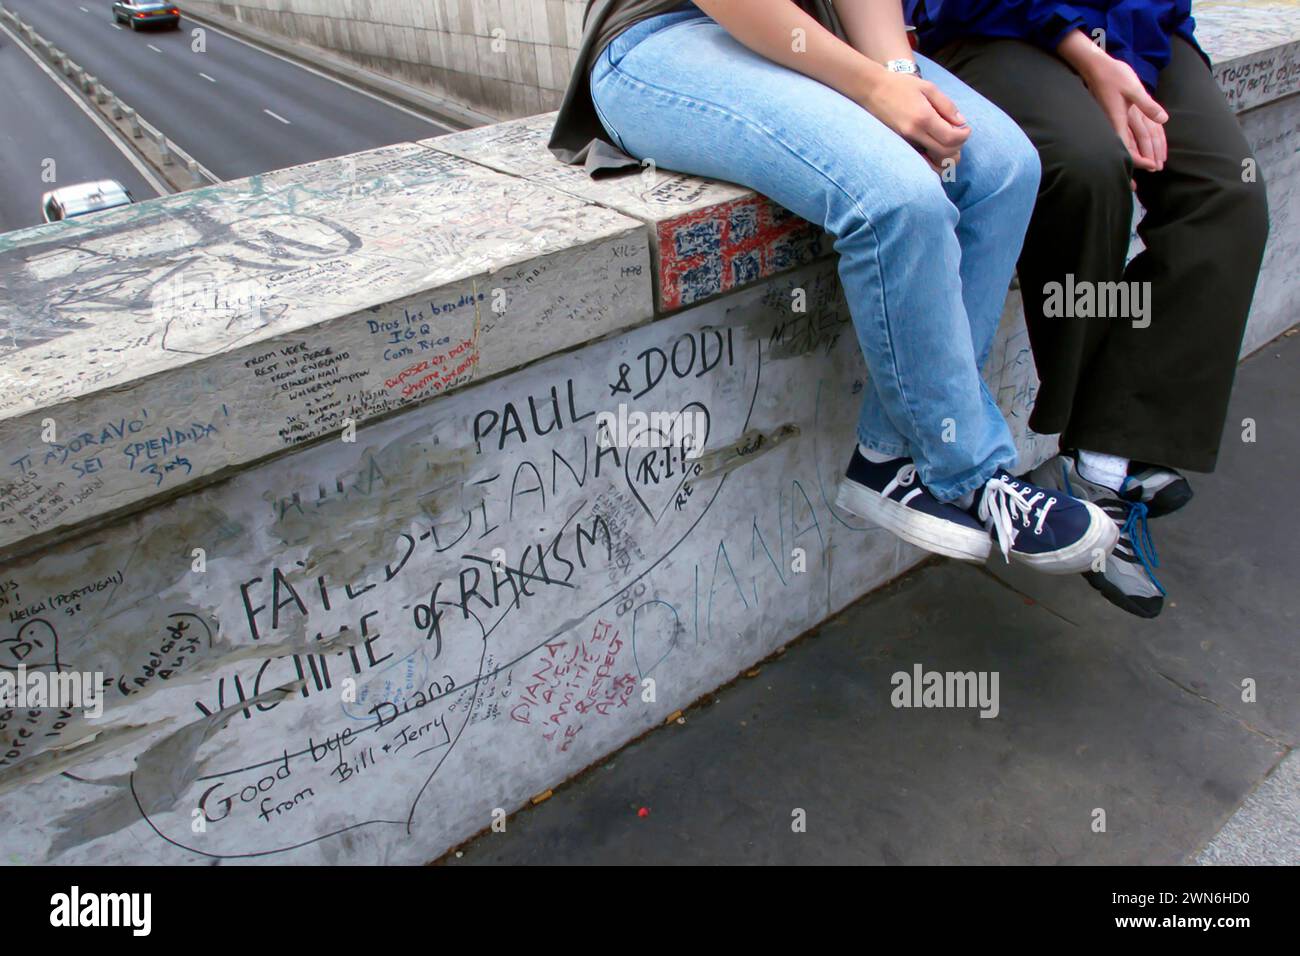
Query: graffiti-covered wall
[388,639]
[168,340]
[358,503]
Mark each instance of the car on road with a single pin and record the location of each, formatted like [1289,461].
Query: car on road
[82,199]
[146,13]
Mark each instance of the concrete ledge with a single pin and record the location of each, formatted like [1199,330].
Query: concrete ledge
[321,650]
[1254,47]
[706,237]
[160,344]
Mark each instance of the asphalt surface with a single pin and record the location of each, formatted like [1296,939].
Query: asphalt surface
[1144,720]
[236,109]
[40,122]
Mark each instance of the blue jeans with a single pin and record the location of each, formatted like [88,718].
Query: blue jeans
[925,263]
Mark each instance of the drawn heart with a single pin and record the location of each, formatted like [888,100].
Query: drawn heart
[657,465]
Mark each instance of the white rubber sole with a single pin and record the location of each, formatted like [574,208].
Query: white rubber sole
[915,527]
[1102,536]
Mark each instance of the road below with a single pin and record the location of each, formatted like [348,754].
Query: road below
[235,108]
[42,123]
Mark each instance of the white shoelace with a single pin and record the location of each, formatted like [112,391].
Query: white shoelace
[1003,504]
[906,475]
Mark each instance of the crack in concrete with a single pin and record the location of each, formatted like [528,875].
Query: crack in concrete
[1028,597]
[1286,747]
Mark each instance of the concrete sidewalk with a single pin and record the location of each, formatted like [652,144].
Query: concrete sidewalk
[1144,720]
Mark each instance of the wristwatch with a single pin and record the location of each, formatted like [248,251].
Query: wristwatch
[904,66]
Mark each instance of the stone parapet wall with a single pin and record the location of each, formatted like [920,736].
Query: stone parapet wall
[304,471]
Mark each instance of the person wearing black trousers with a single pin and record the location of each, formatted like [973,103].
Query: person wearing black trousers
[1135,361]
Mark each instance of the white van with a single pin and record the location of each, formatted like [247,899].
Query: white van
[83,199]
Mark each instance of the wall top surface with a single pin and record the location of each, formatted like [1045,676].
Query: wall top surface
[652,195]
[95,305]
[89,306]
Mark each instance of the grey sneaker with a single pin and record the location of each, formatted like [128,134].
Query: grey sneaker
[1162,490]
[1127,578]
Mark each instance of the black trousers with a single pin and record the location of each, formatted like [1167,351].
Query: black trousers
[1157,394]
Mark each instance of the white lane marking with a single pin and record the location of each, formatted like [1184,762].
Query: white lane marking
[391,104]
[111,134]
[117,26]
[154,48]
[277,116]
[83,9]
[208,78]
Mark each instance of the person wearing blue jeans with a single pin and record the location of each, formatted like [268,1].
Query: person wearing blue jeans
[927,189]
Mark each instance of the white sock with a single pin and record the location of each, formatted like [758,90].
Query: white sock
[966,501]
[1108,470]
[875,457]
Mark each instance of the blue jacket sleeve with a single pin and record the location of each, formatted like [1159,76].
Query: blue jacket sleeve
[1139,33]
[1036,21]
[1136,31]
[1050,22]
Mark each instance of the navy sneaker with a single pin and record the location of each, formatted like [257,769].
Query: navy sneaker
[1127,579]
[1043,528]
[1162,490]
[890,494]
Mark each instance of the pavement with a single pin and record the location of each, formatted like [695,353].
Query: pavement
[1116,740]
